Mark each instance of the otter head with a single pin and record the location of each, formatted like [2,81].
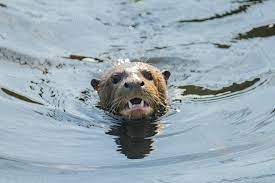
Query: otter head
[133,91]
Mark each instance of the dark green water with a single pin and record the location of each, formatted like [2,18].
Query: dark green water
[220,127]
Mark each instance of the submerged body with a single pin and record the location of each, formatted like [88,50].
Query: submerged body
[133,90]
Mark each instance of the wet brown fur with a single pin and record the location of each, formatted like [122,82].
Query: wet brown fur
[154,91]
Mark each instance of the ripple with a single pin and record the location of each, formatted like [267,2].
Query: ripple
[199,93]
[20,97]
[83,58]
[263,31]
[263,121]
[190,157]
[262,178]
[240,9]
[220,127]
[3,5]
[145,164]
[197,90]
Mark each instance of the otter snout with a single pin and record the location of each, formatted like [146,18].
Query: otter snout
[133,85]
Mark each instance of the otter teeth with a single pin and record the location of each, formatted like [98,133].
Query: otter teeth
[131,106]
[142,103]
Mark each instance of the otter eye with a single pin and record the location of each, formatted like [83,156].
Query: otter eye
[115,78]
[147,74]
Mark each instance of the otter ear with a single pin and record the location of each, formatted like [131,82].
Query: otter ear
[95,83]
[166,75]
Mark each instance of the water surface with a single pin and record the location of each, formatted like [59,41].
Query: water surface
[220,127]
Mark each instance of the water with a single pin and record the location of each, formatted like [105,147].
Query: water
[220,127]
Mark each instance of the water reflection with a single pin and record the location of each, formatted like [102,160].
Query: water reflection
[3,5]
[222,46]
[18,96]
[240,9]
[134,139]
[201,91]
[263,31]
[83,58]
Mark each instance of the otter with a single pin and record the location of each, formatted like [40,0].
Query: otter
[133,91]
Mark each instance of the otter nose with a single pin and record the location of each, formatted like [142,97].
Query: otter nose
[133,85]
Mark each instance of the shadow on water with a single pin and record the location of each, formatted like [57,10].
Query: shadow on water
[201,91]
[263,31]
[18,96]
[240,9]
[134,139]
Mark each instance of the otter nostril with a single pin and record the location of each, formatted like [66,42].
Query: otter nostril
[126,85]
[142,83]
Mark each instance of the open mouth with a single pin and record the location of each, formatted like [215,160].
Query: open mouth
[136,108]
[136,103]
